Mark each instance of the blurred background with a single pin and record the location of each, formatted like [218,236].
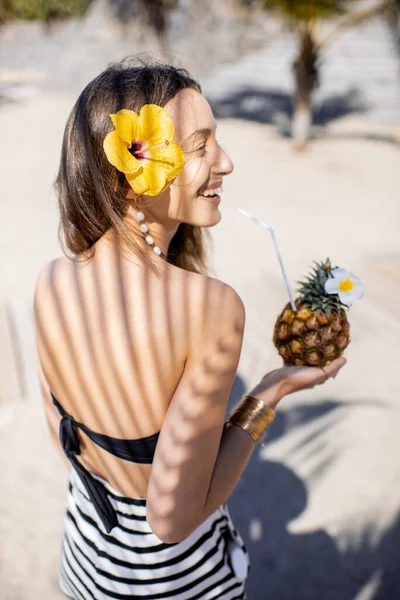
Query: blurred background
[307,96]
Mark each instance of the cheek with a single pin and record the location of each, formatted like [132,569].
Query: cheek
[193,176]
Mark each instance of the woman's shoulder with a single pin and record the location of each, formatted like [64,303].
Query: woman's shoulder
[47,273]
[204,286]
[211,297]
[203,294]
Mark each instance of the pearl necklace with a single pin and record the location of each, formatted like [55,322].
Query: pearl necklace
[144,228]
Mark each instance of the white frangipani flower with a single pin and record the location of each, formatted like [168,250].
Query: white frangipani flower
[346,285]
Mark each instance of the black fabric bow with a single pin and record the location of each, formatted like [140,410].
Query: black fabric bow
[69,440]
[69,436]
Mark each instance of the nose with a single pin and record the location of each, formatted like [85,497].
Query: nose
[224,165]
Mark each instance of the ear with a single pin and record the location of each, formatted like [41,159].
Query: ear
[126,189]
[129,193]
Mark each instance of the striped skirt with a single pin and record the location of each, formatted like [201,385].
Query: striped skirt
[132,562]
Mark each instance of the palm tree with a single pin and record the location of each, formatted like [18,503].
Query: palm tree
[156,15]
[304,18]
[394,23]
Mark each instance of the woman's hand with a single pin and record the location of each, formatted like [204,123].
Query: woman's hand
[287,380]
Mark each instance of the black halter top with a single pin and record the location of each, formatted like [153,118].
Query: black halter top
[138,451]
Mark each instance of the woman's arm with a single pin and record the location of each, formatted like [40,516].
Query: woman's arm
[198,462]
[52,416]
[51,413]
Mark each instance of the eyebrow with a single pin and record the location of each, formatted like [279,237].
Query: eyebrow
[205,132]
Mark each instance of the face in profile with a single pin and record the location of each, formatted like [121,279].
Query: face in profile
[194,196]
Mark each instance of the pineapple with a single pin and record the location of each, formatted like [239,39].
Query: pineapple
[318,331]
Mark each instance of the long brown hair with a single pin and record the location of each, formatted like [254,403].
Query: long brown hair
[91,193]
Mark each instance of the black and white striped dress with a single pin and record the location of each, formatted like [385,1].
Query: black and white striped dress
[110,551]
[132,562]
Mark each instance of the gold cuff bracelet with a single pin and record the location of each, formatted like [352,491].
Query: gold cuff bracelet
[253,416]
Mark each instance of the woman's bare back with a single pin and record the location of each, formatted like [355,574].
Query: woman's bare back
[112,339]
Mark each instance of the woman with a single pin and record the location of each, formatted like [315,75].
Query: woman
[138,348]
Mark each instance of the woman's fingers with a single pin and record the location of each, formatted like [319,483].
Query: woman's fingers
[296,378]
[334,367]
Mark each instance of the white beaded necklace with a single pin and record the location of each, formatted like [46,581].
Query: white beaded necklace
[144,228]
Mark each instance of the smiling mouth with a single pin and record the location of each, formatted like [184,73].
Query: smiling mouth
[211,193]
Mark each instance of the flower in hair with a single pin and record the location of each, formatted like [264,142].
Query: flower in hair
[142,147]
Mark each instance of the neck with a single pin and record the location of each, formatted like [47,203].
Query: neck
[161,232]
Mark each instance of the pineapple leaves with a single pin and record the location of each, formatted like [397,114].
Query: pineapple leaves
[312,290]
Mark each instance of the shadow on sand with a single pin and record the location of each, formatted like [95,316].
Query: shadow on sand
[305,566]
[270,106]
[274,106]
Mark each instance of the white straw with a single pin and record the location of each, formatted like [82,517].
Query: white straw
[249,216]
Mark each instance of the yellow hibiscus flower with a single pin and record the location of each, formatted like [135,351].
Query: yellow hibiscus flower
[141,146]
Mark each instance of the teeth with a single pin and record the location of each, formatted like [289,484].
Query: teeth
[212,192]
